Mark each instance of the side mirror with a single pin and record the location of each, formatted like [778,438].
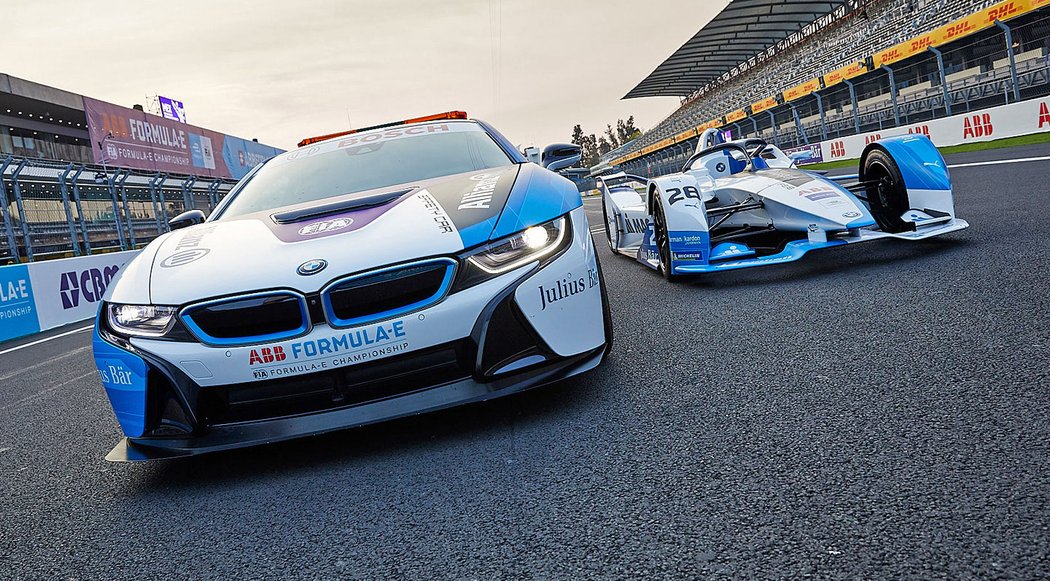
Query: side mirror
[560,156]
[186,219]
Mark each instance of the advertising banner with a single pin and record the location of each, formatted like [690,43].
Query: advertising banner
[802,90]
[806,154]
[1013,120]
[17,309]
[70,289]
[847,72]
[736,116]
[172,109]
[767,103]
[136,139]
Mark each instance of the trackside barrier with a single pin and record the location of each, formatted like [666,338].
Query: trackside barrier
[38,296]
[1013,120]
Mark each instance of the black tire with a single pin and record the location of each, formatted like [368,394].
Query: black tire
[606,312]
[663,244]
[608,231]
[887,194]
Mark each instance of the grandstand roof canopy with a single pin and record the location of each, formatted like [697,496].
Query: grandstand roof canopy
[744,29]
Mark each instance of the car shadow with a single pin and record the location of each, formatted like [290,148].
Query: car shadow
[413,434]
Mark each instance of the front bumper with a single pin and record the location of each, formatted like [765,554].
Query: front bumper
[464,391]
[535,325]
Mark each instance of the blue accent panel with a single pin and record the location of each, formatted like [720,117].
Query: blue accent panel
[186,316]
[538,196]
[123,374]
[862,222]
[693,247]
[919,161]
[17,305]
[729,250]
[759,163]
[478,233]
[792,252]
[648,250]
[735,165]
[446,284]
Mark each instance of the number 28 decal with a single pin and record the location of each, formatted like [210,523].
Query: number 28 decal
[675,195]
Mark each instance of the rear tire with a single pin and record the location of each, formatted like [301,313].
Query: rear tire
[663,243]
[887,194]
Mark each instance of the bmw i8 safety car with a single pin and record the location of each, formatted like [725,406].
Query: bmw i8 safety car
[365,276]
[745,203]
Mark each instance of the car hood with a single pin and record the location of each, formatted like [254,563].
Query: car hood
[351,233]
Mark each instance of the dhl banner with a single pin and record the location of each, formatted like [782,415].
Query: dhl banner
[767,103]
[802,90]
[739,114]
[847,72]
[955,30]
[691,133]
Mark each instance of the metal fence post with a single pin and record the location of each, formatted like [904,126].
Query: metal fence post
[773,125]
[944,83]
[755,123]
[893,95]
[80,210]
[64,190]
[21,209]
[116,210]
[4,209]
[798,124]
[1013,64]
[187,196]
[823,123]
[213,194]
[853,101]
[155,181]
[128,218]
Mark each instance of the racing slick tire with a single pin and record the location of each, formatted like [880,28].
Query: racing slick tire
[663,243]
[886,192]
[610,231]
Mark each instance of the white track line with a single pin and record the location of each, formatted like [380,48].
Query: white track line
[1000,161]
[39,341]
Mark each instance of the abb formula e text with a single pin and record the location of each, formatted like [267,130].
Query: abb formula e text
[744,203]
[362,277]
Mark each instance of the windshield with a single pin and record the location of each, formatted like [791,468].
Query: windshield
[367,161]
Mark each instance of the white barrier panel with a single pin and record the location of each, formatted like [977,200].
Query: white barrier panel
[1013,120]
[70,289]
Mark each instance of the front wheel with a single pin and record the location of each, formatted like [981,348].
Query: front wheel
[612,233]
[887,194]
[663,243]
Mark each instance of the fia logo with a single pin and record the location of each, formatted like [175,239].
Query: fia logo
[325,226]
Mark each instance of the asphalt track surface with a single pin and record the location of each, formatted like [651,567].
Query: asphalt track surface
[874,411]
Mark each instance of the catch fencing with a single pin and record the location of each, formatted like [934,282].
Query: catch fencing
[52,209]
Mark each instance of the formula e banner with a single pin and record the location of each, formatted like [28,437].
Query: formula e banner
[17,306]
[1013,120]
[135,139]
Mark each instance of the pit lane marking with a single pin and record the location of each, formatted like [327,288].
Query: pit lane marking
[47,391]
[43,363]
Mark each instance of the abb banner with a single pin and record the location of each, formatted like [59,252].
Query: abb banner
[43,295]
[1011,120]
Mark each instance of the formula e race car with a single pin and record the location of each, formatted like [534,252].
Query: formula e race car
[365,276]
[745,203]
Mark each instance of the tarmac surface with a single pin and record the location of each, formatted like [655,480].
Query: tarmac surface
[873,411]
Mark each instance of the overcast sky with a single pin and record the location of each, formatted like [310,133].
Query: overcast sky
[280,71]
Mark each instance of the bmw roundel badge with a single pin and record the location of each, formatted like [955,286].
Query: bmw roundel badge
[312,266]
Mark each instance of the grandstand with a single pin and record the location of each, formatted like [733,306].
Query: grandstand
[796,73]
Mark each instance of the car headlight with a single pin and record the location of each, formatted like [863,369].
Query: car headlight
[140,320]
[521,248]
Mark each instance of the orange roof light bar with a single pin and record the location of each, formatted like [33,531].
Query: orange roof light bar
[425,118]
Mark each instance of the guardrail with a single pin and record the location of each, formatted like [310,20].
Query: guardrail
[51,209]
